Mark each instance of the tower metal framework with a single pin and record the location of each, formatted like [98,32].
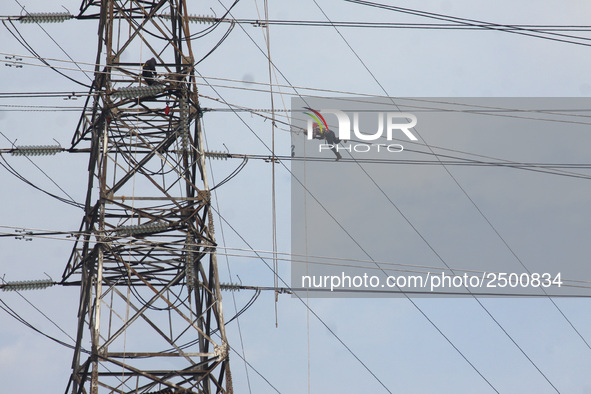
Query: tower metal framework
[150,313]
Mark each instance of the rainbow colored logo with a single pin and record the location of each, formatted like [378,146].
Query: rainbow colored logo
[318,118]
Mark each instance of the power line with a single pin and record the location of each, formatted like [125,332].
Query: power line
[21,320]
[255,370]
[478,24]
[40,311]
[7,166]
[243,356]
[436,16]
[415,229]
[52,39]
[355,241]
[277,274]
[546,168]
[25,180]
[21,40]
[288,257]
[537,28]
[417,163]
[307,306]
[412,26]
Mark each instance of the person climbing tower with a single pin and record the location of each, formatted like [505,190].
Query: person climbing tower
[149,71]
[320,133]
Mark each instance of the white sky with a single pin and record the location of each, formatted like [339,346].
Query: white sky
[395,341]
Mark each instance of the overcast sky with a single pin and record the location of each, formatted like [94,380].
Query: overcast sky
[431,345]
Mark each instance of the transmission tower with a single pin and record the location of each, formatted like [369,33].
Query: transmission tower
[150,316]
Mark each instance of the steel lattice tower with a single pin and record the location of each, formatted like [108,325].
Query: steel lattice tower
[150,315]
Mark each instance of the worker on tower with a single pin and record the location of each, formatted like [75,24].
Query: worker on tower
[319,133]
[149,71]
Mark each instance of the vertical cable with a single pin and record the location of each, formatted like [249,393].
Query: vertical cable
[307,269]
[273,157]
[217,203]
